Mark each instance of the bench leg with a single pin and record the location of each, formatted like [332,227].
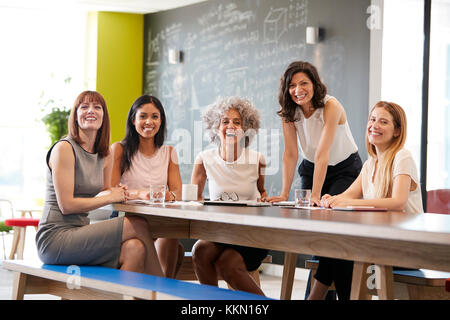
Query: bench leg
[359,281]
[287,281]
[19,284]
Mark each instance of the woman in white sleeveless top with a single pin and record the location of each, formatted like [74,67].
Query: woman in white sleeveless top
[318,121]
[141,160]
[233,171]
[388,178]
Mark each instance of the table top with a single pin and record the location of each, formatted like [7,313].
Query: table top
[394,225]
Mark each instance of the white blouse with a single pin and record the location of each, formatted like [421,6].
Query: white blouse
[239,176]
[310,129]
[403,164]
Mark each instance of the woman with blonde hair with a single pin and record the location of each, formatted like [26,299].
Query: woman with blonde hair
[388,179]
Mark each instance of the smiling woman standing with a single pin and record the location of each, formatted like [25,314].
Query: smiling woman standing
[78,181]
[330,156]
[141,159]
[318,121]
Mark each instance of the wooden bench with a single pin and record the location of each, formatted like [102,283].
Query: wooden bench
[421,283]
[96,282]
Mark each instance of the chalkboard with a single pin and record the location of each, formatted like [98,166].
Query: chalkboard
[242,48]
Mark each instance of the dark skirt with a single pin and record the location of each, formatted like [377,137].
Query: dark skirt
[252,256]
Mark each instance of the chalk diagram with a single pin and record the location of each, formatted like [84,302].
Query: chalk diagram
[275,25]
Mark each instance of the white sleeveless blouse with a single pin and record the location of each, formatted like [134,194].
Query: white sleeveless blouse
[310,129]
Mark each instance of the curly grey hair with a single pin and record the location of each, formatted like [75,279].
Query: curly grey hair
[214,113]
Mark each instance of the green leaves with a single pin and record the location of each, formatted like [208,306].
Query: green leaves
[56,123]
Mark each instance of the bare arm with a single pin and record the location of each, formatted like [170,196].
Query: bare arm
[290,158]
[199,177]
[116,155]
[352,192]
[400,193]
[62,164]
[260,181]
[173,176]
[332,114]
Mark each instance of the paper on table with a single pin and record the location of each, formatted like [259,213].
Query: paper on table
[305,208]
[284,203]
[248,203]
[180,203]
[359,208]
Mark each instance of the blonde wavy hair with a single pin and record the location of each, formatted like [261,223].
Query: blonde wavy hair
[383,180]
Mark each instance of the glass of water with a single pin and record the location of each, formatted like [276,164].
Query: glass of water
[302,197]
[157,193]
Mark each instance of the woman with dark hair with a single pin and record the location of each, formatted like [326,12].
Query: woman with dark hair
[141,159]
[318,121]
[79,168]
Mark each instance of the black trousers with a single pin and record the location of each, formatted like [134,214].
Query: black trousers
[338,178]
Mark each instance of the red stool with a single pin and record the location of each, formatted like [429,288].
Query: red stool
[19,227]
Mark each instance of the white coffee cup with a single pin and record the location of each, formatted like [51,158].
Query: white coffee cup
[189,192]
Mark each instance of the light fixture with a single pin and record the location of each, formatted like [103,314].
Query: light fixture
[174,56]
[314,35]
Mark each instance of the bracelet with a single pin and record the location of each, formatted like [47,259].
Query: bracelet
[174,196]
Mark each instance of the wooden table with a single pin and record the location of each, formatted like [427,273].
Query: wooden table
[382,238]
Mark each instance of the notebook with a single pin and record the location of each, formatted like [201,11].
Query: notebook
[242,203]
[359,208]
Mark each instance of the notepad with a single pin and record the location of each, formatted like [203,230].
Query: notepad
[284,203]
[359,208]
[242,203]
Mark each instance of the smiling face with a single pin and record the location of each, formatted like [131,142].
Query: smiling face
[301,89]
[381,129]
[147,120]
[90,115]
[230,128]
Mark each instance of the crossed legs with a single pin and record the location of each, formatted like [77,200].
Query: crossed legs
[138,251]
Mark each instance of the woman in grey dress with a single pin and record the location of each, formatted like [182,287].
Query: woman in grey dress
[78,175]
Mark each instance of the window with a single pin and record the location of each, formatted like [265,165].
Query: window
[438,156]
[40,48]
[402,66]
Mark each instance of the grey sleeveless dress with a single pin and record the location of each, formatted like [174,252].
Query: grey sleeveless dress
[70,238]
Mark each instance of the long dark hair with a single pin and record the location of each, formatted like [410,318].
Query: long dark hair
[130,142]
[101,145]
[289,107]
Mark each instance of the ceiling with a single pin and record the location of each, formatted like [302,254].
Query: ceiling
[130,6]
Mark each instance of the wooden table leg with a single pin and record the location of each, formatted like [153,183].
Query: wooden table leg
[287,281]
[359,281]
[386,290]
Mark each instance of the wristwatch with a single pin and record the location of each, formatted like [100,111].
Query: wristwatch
[174,196]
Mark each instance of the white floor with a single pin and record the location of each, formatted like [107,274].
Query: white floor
[270,276]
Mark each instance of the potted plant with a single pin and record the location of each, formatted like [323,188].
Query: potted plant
[57,116]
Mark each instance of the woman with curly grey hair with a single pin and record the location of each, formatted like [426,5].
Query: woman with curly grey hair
[233,172]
